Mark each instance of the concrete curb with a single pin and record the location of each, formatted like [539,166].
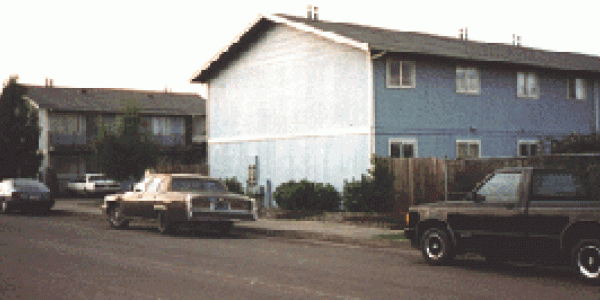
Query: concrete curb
[269,232]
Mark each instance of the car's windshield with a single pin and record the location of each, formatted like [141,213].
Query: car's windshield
[30,187]
[196,185]
[97,178]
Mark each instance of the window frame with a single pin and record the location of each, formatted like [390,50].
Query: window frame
[579,85]
[468,142]
[388,76]
[527,142]
[526,92]
[403,141]
[465,87]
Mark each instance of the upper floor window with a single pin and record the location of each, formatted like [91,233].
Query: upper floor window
[527,147]
[403,148]
[468,149]
[527,85]
[576,89]
[467,80]
[400,74]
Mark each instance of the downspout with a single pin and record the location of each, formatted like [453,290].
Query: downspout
[371,99]
[371,86]
[597,104]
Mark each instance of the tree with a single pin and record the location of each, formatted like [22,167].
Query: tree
[19,133]
[374,193]
[128,152]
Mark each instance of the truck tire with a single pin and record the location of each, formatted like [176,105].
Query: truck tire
[585,258]
[116,218]
[436,247]
[165,226]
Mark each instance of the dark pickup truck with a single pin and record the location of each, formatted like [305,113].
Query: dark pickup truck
[524,214]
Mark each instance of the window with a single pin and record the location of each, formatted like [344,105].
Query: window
[468,149]
[576,89]
[527,147]
[502,187]
[558,187]
[400,74]
[155,186]
[403,148]
[527,85]
[467,80]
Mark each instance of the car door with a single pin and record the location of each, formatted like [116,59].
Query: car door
[141,203]
[496,217]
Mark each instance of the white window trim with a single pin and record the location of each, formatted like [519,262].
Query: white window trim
[526,94]
[583,95]
[388,76]
[478,142]
[476,91]
[412,141]
[526,142]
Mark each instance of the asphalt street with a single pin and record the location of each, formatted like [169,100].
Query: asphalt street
[63,256]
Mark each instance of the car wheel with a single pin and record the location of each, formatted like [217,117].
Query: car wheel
[436,247]
[586,260]
[165,226]
[116,218]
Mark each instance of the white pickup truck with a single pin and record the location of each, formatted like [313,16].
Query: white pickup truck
[94,184]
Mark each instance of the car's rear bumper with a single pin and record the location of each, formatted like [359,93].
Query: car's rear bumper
[222,216]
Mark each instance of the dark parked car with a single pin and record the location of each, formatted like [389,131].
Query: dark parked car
[26,195]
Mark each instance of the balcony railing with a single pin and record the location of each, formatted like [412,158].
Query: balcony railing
[72,140]
[78,140]
[168,140]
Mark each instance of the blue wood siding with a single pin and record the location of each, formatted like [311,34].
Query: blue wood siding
[437,116]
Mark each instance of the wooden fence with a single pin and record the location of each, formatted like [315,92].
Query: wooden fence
[427,180]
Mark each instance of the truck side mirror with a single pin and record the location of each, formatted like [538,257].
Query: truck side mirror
[472,196]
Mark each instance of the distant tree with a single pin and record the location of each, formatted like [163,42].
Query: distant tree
[128,152]
[234,185]
[19,133]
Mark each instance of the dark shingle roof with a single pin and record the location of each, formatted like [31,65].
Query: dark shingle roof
[398,41]
[115,100]
[380,39]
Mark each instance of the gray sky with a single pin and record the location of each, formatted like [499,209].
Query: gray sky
[151,45]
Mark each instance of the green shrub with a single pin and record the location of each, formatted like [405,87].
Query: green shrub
[371,194]
[306,195]
[233,185]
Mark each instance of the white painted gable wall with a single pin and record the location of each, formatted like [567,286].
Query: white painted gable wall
[297,101]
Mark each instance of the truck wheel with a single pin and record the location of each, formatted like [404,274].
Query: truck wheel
[586,260]
[116,218]
[164,225]
[436,247]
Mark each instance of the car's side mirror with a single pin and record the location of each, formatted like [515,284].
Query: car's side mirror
[473,196]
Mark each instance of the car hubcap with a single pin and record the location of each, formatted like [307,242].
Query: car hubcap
[434,246]
[588,260]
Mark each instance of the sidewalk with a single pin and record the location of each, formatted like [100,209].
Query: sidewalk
[290,229]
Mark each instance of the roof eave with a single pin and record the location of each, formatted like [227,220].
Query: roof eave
[203,76]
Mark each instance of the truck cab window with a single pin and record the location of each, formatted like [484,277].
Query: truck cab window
[502,187]
[557,187]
